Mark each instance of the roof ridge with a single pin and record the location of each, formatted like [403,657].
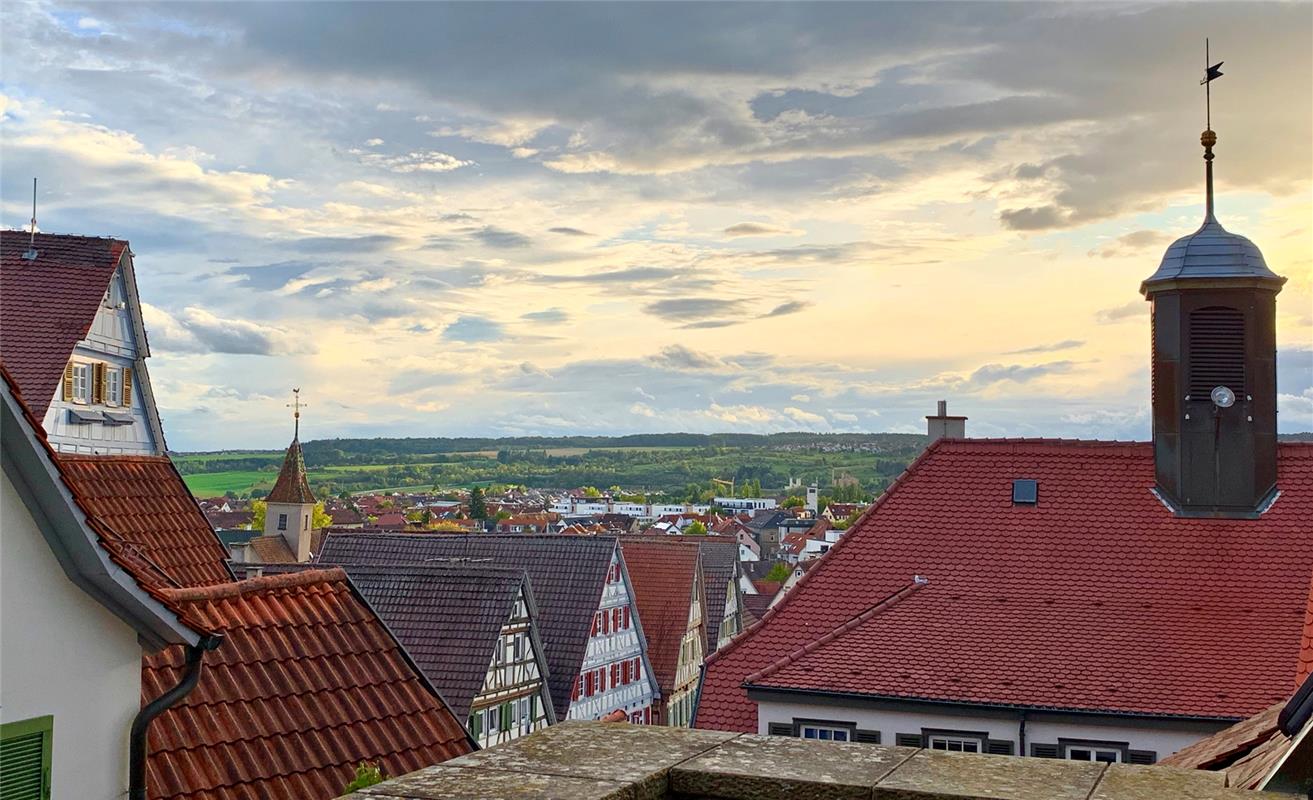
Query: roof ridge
[223,591]
[153,459]
[1045,440]
[835,633]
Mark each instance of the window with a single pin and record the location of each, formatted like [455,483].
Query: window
[114,297]
[823,732]
[282,522]
[955,741]
[81,383]
[25,758]
[114,386]
[1093,750]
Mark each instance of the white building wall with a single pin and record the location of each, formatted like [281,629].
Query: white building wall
[605,649]
[63,654]
[1044,728]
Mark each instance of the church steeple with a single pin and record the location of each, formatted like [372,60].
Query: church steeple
[289,510]
[1214,366]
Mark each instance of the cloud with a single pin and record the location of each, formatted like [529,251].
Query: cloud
[677,356]
[375,142]
[472,329]
[196,330]
[1131,244]
[550,316]
[1065,344]
[691,308]
[758,229]
[347,244]
[627,275]
[565,231]
[501,239]
[415,161]
[791,307]
[408,381]
[1017,373]
[1033,219]
[1132,310]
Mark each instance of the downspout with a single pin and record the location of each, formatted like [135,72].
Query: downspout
[137,739]
[1021,735]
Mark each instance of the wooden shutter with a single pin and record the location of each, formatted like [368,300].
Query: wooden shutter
[1000,747]
[1141,756]
[98,382]
[907,739]
[127,387]
[1044,750]
[25,759]
[866,737]
[779,729]
[68,381]
[476,724]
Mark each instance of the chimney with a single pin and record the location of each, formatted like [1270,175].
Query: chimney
[942,426]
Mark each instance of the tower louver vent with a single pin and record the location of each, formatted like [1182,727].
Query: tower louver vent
[1217,351]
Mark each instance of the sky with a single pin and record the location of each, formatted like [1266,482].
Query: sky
[498,219]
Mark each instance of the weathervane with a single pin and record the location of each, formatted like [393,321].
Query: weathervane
[295,405]
[1208,138]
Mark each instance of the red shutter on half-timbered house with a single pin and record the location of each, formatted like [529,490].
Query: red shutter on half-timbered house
[626,615]
[588,684]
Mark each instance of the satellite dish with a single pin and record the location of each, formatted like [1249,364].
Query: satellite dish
[1222,397]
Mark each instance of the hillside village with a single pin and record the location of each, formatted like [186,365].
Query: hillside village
[1086,611]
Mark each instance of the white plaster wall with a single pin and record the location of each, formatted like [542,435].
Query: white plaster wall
[1043,728]
[64,654]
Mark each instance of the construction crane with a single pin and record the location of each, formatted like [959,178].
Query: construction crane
[729,483]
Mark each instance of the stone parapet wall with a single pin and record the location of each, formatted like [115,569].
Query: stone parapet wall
[610,761]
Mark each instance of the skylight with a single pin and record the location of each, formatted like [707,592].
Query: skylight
[1025,492]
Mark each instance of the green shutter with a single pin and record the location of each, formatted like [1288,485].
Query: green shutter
[476,724]
[505,717]
[25,759]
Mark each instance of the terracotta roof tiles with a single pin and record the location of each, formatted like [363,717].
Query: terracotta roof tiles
[1098,585]
[53,301]
[663,571]
[307,683]
[291,485]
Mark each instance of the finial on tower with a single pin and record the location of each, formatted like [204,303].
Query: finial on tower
[295,405]
[1208,138]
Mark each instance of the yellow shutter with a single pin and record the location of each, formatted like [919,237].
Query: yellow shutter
[98,382]
[68,381]
[127,387]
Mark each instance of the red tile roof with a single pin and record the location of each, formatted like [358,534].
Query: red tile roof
[291,485]
[146,510]
[52,301]
[662,570]
[122,551]
[1245,751]
[1090,600]
[307,684]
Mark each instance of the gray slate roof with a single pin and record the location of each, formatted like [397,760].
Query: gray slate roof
[720,558]
[448,617]
[567,574]
[1211,252]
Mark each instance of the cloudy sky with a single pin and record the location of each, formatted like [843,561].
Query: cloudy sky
[497,219]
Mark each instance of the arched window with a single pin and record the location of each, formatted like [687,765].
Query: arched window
[1217,351]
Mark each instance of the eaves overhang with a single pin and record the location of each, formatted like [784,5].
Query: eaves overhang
[28,464]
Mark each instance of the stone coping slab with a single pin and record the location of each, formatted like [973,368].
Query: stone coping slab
[445,782]
[945,776]
[782,768]
[618,761]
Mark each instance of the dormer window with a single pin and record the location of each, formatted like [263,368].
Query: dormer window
[114,387]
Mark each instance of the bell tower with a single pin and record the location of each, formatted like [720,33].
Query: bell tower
[290,506]
[1214,368]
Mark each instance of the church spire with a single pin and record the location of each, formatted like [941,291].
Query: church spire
[292,486]
[295,405]
[1208,138]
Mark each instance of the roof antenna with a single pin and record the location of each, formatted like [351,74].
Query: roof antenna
[30,255]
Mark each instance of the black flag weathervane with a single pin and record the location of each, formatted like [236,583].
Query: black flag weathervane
[1208,139]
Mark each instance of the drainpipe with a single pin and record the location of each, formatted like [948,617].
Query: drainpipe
[1021,735]
[137,739]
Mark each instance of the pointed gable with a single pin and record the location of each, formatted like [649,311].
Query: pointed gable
[292,486]
[51,301]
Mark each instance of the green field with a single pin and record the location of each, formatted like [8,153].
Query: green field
[214,484]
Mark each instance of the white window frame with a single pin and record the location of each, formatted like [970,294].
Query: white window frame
[824,733]
[81,383]
[113,386]
[1092,751]
[955,743]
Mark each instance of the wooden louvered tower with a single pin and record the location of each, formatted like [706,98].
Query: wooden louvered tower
[1214,370]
